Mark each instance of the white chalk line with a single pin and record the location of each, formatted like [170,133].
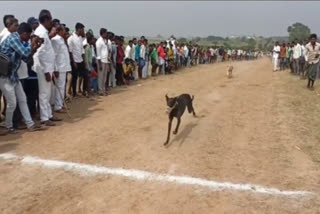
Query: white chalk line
[93,170]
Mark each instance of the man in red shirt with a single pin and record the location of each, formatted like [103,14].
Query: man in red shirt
[283,56]
[120,59]
[161,56]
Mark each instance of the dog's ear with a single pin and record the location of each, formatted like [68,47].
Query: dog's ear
[167,98]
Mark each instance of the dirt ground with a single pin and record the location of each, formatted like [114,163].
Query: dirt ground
[260,127]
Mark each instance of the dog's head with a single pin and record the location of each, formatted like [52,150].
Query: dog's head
[171,103]
[230,67]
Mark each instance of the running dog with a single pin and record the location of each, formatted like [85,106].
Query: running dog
[175,108]
[229,71]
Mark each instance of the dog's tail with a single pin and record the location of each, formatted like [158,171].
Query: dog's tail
[192,97]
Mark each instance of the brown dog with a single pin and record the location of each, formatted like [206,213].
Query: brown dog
[229,71]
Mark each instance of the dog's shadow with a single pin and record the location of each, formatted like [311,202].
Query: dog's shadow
[182,135]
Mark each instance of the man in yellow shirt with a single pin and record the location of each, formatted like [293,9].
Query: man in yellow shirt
[128,68]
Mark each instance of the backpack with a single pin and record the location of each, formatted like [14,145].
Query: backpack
[5,65]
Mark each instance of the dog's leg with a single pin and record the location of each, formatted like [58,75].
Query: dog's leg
[169,130]
[191,109]
[194,113]
[177,127]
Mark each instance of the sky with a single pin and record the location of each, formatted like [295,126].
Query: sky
[180,18]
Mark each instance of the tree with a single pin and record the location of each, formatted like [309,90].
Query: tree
[182,40]
[298,31]
[196,39]
[214,38]
[251,44]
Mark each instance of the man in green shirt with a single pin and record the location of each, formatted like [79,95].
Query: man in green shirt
[88,55]
[154,59]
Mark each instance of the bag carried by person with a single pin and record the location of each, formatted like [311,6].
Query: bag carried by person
[5,65]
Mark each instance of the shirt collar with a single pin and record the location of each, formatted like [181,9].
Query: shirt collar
[43,28]
[58,36]
[76,35]
[16,35]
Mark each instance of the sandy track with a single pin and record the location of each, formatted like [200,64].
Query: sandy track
[243,136]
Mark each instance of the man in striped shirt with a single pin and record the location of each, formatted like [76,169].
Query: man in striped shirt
[13,47]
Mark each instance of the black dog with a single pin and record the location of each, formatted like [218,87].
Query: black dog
[176,107]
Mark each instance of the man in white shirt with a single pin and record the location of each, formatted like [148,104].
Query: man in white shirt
[75,43]
[44,60]
[239,54]
[113,61]
[62,66]
[296,57]
[313,52]
[109,74]
[145,69]
[142,57]
[275,56]
[229,54]
[302,60]
[135,72]
[186,54]
[103,60]
[128,52]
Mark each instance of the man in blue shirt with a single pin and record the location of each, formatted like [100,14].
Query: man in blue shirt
[13,47]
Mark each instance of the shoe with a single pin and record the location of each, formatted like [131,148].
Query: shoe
[55,119]
[12,131]
[21,127]
[60,111]
[48,123]
[35,127]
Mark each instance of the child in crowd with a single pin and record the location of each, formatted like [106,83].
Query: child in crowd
[128,68]
[94,78]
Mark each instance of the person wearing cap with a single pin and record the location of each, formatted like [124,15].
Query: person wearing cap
[33,22]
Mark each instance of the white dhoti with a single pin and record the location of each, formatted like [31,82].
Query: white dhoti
[275,62]
[112,78]
[145,70]
[44,97]
[59,90]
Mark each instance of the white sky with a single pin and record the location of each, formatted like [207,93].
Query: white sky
[181,18]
